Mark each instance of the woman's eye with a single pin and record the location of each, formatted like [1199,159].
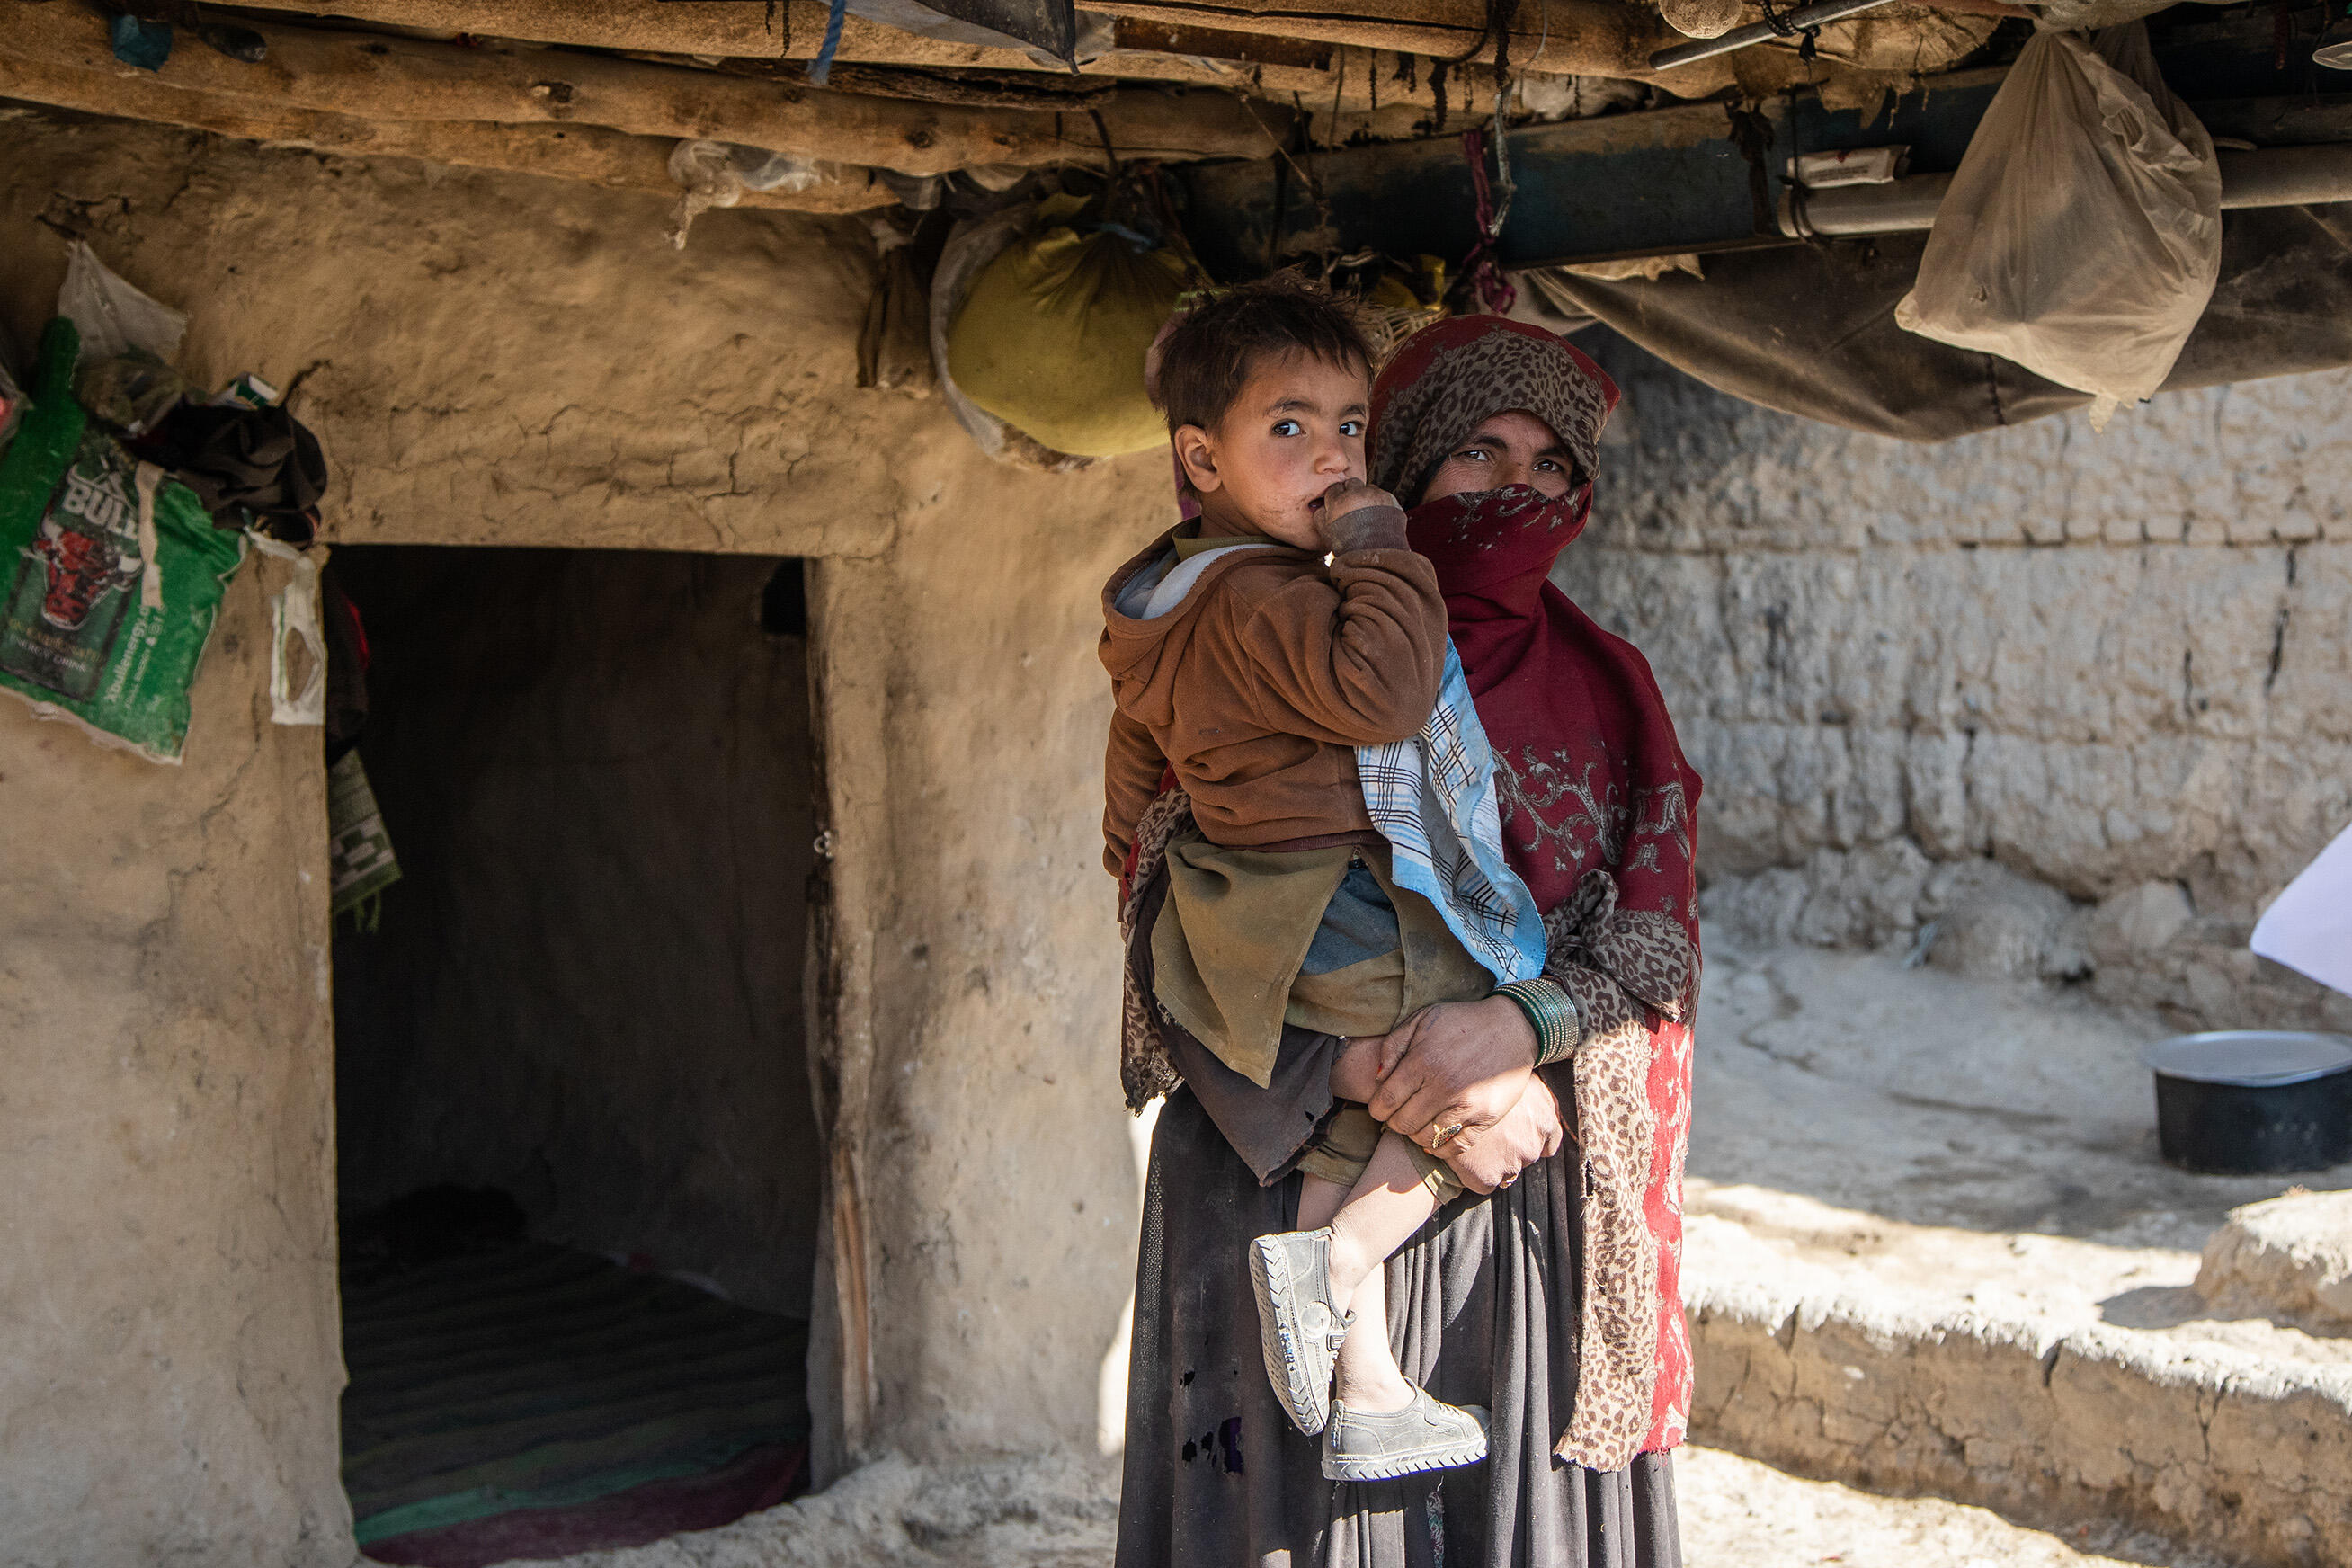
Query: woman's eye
[1288,427]
[1352,428]
[1547,466]
[1471,454]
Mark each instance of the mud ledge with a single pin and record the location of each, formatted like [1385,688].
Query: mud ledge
[2206,1444]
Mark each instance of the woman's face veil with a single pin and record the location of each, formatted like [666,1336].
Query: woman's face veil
[1441,385]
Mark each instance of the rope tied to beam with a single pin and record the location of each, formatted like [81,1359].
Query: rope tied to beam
[1495,291]
[1788,29]
[822,67]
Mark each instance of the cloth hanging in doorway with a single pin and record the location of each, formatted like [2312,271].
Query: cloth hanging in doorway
[359,860]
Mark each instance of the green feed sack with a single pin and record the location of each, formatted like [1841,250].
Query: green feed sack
[84,631]
[1051,339]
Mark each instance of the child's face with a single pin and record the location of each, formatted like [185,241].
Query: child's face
[1296,429]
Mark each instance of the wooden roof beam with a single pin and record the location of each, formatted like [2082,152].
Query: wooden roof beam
[385,80]
[1595,37]
[591,154]
[1554,38]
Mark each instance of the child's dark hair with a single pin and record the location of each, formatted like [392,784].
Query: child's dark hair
[1210,353]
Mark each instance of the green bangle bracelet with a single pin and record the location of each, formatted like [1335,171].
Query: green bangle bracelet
[1528,1011]
[1551,1013]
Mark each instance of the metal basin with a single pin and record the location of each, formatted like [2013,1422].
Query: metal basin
[2246,1102]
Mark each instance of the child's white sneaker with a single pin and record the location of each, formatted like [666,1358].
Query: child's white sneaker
[1298,1321]
[1366,1445]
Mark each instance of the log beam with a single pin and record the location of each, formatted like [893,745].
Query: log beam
[591,154]
[1595,37]
[386,80]
[792,29]
[1564,37]
[1560,37]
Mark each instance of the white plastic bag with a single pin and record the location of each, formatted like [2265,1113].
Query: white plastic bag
[294,613]
[716,173]
[112,316]
[2082,236]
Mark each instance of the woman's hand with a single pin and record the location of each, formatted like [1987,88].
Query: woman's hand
[1453,1070]
[1532,1131]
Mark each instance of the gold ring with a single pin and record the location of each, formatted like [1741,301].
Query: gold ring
[1439,1136]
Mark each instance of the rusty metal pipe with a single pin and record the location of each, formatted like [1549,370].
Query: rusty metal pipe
[1792,23]
[2313,175]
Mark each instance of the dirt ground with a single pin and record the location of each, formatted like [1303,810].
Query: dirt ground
[1994,1145]
[1736,1513]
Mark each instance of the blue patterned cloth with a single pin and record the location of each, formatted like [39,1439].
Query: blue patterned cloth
[1433,799]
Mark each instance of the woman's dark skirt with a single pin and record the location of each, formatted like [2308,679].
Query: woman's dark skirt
[1482,1311]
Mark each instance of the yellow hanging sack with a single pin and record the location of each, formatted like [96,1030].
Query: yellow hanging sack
[1051,338]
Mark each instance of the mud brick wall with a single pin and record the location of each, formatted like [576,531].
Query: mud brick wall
[2084,699]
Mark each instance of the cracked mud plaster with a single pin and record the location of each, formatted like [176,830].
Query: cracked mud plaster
[497,359]
[2107,660]
[170,1394]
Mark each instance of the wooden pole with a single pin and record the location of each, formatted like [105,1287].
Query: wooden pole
[591,155]
[385,80]
[1596,37]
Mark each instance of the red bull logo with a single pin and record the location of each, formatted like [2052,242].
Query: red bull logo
[80,569]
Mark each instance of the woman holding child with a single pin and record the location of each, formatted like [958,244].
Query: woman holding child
[1406,854]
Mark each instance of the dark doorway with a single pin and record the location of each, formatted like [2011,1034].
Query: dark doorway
[579,1169]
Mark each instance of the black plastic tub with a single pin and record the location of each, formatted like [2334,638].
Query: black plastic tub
[2253,1102]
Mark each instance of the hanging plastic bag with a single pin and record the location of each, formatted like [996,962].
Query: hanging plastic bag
[112,573]
[716,173]
[2082,236]
[1052,336]
[294,613]
[113,317]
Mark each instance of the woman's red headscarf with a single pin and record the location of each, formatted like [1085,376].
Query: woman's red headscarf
[1598,807]
[1597,778]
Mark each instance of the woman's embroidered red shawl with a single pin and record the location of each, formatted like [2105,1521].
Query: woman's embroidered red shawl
[1598,820]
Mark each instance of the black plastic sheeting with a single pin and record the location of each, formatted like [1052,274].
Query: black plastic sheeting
[1809,329]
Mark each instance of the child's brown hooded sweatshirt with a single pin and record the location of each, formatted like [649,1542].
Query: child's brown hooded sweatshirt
[1258,685]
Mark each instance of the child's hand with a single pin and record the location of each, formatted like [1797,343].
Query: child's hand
[1353,511]
[1396,1042]
[1357,1071]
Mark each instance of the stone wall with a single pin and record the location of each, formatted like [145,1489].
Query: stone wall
[2083,702]
[585,990]
[500,359]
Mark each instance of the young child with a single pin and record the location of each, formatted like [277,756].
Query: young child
[1243,660]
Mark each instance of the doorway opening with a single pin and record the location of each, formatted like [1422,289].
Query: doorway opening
[579,1168]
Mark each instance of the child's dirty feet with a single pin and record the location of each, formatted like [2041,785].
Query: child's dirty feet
[1300,1325]
[1361,1446]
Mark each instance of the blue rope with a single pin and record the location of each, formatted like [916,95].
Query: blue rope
[822,68]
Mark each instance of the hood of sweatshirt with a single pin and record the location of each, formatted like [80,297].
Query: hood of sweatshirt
[1152,609]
